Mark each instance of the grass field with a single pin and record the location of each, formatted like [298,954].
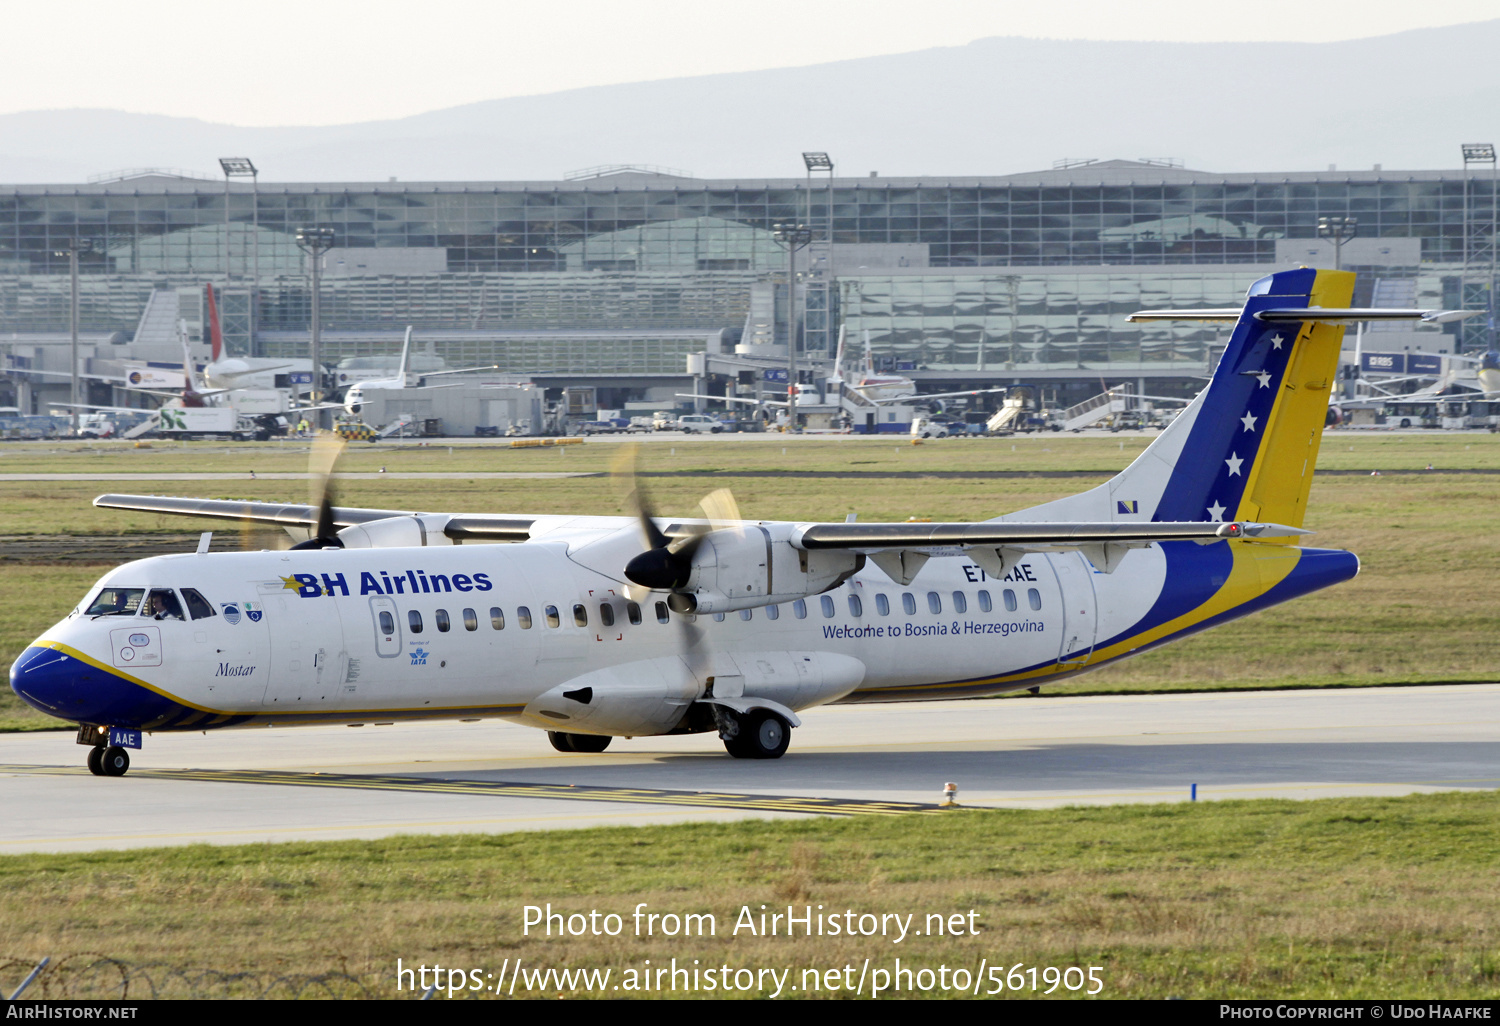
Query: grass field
[1335,898]
[1422,609]
[1348,898]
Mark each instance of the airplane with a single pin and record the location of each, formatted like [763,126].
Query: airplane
[597,627]
[355,397]
[224,372]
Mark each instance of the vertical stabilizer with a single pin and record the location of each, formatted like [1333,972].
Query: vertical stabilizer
[405,351]
[1245,448]
[215,333]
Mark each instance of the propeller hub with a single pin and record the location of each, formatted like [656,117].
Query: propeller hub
[659,569]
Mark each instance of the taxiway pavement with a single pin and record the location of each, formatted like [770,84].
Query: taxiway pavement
[335,782]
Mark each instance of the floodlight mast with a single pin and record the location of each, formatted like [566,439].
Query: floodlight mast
[1480,249]
[243,167]
[794,237]
[315,242]
[71,248]
[1338,230]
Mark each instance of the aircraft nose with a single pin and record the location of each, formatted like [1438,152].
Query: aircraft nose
[57,683]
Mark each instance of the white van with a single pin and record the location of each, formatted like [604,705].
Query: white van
[690,423]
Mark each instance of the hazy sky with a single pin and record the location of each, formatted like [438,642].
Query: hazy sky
[314,62]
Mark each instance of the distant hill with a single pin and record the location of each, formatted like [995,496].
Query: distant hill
[996,106]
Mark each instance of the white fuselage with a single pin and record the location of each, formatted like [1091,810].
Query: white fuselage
[299,636]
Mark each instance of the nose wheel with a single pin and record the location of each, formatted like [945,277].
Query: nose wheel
[108,762]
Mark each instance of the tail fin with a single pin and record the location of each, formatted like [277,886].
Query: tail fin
[215,334]
[405,349]
[1245,448]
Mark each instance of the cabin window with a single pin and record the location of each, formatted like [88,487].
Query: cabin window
[199,608]
[497,618]
[523,618]
[633,610]
[745,614]
[606,614]
[471,620]
[414,621]
[580,616]
[718,618]
[882,604]
[960,602]
[985,605]
[1010,600]
[661,613]
[116,602]
[387,623]
[554,618]
[799,609]
[934,602]
[826,601]
[856,607]
[1034,597]
[772,612]
[908,603]
[162,604]
[443,623]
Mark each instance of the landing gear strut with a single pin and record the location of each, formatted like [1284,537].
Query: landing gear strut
[760,734]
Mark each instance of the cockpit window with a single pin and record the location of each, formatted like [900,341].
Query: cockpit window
[198,606]
[116,602]
[163,605]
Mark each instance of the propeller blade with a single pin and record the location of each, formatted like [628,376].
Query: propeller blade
[720,509]
[326,450]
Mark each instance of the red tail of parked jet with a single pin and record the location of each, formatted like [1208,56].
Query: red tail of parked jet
[215,333]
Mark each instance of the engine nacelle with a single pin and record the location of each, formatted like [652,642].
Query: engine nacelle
[397,532]
[757,565]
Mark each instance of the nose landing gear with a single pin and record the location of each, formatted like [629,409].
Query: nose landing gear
[104,759]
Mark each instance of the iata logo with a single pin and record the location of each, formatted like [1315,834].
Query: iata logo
[419,657]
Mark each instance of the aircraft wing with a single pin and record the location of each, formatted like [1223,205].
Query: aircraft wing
[461,370]
[732,399]
[1001,533]
[923,397]
[176,395]
[107,409]
[64,374]
[279,514]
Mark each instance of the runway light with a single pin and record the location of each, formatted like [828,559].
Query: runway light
[950,796]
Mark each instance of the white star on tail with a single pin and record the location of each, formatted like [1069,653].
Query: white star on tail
[1234,462]
[1216,513]
[1264,377]
[1249,420]
[1276,341]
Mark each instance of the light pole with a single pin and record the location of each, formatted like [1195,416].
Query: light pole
[315,242]
[794,237]
[71,248]
[1338,230]
[243,167]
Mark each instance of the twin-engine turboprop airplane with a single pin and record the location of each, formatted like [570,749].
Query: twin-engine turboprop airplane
[586,630]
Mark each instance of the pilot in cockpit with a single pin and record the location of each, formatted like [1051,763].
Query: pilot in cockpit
[164,606]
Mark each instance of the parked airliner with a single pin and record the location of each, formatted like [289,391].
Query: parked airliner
[595,627]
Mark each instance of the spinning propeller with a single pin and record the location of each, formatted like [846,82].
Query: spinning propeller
[327,447]
[667,563]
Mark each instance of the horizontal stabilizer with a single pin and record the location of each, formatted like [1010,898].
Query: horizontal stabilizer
[1327,315]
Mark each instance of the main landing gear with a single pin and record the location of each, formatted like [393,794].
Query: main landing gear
[104,759]
[757,734]
[584,743]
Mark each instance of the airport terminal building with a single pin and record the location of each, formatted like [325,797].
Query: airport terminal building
[617,276]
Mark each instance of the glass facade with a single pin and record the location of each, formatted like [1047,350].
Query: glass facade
[955,274]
